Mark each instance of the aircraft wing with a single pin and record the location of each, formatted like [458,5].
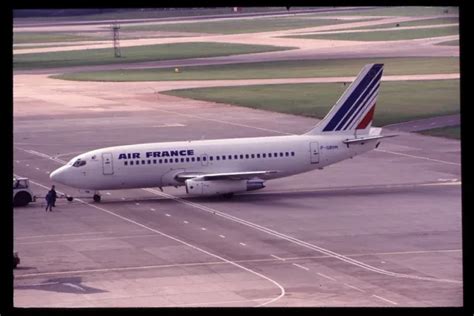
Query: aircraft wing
[241,175]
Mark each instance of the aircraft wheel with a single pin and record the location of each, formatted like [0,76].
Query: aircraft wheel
[96,198]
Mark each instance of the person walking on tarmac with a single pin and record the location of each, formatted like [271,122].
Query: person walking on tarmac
[51,199]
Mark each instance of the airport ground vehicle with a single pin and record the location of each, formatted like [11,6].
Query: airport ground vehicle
[22,194]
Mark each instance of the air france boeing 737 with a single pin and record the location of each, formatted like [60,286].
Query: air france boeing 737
[227,166]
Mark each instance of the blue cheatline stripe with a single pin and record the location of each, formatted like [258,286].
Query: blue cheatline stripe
[359,103]
[365,103]
[359,115]
[352,97]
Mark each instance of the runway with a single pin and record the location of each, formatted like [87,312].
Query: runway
[382,229]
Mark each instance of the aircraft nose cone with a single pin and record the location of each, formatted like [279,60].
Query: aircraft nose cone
[57,175]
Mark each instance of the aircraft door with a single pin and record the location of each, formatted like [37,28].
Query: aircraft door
[204,159]
[107,164]
[314,152]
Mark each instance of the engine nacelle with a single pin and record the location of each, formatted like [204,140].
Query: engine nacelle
[218,187]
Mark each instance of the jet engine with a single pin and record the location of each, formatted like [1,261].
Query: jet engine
[220,187]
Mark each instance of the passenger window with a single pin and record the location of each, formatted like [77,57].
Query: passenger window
[160,161]
[264,155]
[286,154]
[203,158]
[166,160]
[258,155]
[182,159]
[275,155]
[176,159]
[131,162]
[223,157]
[218,158]
[187,159]
[192,159]
[137,162]
[246,156]
[270,155]
[241,156]
[211,158]
[292,153]
[149,162]
[252,156]
[281,154]
[154,161]
[125,163]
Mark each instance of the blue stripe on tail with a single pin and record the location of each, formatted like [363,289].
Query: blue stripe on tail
[350,104]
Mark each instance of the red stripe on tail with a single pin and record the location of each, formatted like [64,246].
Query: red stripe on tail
[367,119]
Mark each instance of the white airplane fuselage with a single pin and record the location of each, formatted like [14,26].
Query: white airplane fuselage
[227,166]
[110,168]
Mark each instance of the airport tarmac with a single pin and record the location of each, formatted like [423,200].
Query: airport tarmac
[382,229]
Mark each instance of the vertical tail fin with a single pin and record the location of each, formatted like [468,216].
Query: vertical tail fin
[354,111]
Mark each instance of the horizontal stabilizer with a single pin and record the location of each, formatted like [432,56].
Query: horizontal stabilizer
[364,139]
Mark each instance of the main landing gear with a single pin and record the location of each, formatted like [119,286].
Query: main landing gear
[96,197]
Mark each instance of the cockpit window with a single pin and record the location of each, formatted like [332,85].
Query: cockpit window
[79,163]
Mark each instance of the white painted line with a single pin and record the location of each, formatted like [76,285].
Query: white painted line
[47,172]
[59,235]
[72,272]
[300,242]
[152,209]
[42,284]
[56,240]
[203,228]
[17,161]
[167,214]
[137,203]
[123,198]
[386,300]
[219,303]
[300,266]
[242,244]
[281,288]
[276,257]
[27,165]
[75,286]
[354,287]
[222,236]
[108,193]
[418,157]
[327,277]
[37,168]
[186,222]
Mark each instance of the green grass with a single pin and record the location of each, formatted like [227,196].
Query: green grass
[45,46]
[399,101]
[434,21]
[394,35]
[277,69]
[48,37]
[400,11]
[453,132]
[135,54]
[237,26]
[450,43]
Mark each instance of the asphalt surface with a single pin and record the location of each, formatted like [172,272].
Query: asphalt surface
[382,229]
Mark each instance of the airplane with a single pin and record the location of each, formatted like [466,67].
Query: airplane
[227,166]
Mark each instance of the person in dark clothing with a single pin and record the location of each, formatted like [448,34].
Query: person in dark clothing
[51,199]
